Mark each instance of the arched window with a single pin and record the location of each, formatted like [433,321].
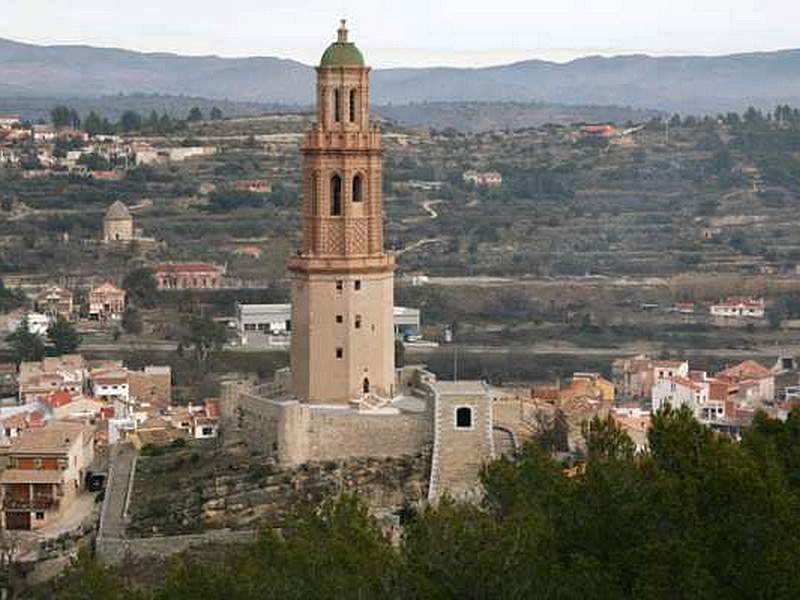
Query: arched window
[336,196]
[463,417]
[337,105]
[314,194]
[352,105]
[365,386]
[358,188]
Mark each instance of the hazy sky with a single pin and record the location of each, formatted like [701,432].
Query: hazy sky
[412,32]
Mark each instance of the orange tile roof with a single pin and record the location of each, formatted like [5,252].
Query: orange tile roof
[748,369]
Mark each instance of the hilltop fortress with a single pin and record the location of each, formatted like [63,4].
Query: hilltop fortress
[342,396]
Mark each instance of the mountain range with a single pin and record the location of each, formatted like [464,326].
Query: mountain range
[690,84]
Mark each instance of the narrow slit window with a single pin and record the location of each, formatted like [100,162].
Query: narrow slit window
[357,284]
[358,188]
[358,321]
[337,105]
[314,194]
[336,196]
[352,106]
[339,352]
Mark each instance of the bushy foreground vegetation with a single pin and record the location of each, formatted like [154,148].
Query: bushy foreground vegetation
[698,516]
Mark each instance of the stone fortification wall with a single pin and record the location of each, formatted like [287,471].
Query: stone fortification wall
[296,433]
[116,550]
[338,436]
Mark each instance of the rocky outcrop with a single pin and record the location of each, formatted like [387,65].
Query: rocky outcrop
[190,490]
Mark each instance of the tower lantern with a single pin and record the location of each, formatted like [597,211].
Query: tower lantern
[342,280]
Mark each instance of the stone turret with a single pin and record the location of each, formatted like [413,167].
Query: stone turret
[118,224]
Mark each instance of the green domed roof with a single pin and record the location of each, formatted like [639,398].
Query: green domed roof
[342,53]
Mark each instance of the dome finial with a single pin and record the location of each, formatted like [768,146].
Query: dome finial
[342,31]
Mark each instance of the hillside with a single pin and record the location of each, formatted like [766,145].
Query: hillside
[685,84]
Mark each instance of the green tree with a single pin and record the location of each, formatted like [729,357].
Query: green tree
[63,336]
[27,346]
[141,286]
[130,121]
[216,114]
[10,299]
[132,321]
[88,579]
[61,116]
[206,335]
[93,124]
[195,114]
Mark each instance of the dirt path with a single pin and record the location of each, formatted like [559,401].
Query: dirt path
[628,350]
[428,205]
[419,244]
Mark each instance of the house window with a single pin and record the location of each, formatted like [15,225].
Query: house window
[339,285]
[207,431]
[464,417]
[358,185]
[37,463]
[357,284]
[339,352]
[358,321]
[336,196]
[39,516]
[339,319]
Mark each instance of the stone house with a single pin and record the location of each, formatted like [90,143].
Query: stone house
[152,386]
[37,380]
[187,276]
[46,471]
[633,377]
[55,301]
[106,302]
[118,224]
[755,383]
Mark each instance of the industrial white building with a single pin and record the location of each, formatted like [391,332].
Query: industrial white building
[262,321]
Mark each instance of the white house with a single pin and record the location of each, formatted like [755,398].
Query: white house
[668,369]
[483,178]
[205,427]
[739,308]
[679,391]
[111,385]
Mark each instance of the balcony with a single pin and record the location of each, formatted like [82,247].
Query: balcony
[37,503]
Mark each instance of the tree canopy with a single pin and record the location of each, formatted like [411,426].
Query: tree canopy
[697,516]
[63,336]
[140,284]
[26,345]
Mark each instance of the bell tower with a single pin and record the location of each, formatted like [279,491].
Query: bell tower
[342,281]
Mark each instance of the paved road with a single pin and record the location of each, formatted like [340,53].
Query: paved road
[566,350]
[112,523]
